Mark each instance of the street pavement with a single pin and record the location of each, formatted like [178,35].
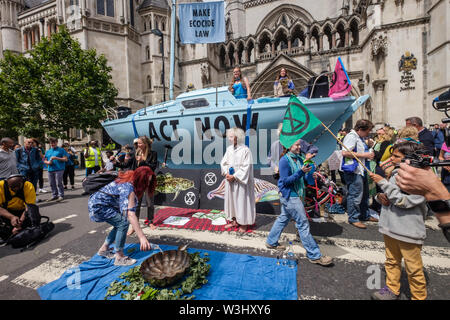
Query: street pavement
[358,254]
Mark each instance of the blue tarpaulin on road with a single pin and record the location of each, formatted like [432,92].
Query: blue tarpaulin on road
[232,276]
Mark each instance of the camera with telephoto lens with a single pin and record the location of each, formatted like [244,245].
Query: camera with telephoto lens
[421,160]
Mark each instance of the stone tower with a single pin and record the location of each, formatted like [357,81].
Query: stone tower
[235,19]
[10,38]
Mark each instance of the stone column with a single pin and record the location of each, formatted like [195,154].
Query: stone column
[347,36]
[25,40]
[379,111]
[289,43]
[308,41]
[320,42]
[333,40]
[245,57]
[273,47]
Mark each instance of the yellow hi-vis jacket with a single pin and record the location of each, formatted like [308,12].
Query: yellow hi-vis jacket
[90,161]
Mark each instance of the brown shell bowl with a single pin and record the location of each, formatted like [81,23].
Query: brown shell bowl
[165,268]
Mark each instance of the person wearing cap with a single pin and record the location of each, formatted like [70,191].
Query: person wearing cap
[292,188]
[16,196]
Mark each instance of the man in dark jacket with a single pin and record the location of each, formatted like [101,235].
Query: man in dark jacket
[29,161]
[425,136]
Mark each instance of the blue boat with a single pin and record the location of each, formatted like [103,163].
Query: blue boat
[191,127]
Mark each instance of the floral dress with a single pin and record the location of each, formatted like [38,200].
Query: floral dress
[109,201]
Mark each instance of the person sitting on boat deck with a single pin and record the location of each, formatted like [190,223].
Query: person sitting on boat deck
[115,204]
[143,156]
[240,86]
[292,188]
[237,167]
[283,86]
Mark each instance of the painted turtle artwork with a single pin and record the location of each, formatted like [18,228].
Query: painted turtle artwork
[167,183]
[166,267]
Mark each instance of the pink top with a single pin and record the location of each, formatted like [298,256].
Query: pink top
[445,148]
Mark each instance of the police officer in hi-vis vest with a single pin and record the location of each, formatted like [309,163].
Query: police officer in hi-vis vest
[93,158]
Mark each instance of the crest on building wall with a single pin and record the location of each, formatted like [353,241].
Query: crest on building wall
[406,64]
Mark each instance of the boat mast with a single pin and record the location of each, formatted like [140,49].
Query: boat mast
[172,48]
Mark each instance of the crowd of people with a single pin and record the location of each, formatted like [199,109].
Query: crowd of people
[371,170]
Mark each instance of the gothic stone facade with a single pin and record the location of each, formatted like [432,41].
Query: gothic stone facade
[397,51]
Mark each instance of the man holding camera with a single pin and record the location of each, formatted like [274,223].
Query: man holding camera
[424,182]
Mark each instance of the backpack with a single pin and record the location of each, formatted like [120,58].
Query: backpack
[95,182]
[32,235]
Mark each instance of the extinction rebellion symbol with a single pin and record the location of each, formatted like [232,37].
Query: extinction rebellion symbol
[297,126]
[190,198]
[210,178]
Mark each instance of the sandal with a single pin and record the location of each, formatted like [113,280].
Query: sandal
[109,254]
[126,261]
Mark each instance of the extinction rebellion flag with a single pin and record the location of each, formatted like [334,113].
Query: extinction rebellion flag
[297,122]
[202,22]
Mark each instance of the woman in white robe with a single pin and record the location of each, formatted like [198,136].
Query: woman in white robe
[240,207]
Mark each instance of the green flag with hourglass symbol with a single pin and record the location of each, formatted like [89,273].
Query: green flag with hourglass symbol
[297,122]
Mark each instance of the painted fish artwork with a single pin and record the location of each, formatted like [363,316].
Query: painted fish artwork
[167,183]
[264,191]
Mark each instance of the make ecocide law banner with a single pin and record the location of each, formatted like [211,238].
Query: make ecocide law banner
[202,22]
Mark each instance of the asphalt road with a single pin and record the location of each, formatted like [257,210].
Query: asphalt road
[356,253]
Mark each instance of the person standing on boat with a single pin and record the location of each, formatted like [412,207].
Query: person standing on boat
[240,86]
[143,156]
[283,86]
[237,167]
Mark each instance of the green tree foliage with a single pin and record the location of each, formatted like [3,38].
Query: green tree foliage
[57,86]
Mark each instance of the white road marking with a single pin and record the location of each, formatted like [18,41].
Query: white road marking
[49,271]
[92,231]
[4,278]
[55,251]
[65,218]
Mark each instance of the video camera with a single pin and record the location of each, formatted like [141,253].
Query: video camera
[442,104]
[421,160]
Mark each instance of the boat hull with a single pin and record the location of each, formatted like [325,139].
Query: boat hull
[196,136]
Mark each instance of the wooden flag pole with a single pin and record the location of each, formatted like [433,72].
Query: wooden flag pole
[353,154]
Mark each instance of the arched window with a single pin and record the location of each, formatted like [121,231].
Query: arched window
[251,52]
[231,55]
[315,40]
[241,59]
[281,41]
[222,56]
[354,33]
[147,52]
[163,26]
[160,46]
[328,44]
[145,26]
[265,44]
[298,37]
[340,36]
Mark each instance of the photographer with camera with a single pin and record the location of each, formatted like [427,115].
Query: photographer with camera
[424,182]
